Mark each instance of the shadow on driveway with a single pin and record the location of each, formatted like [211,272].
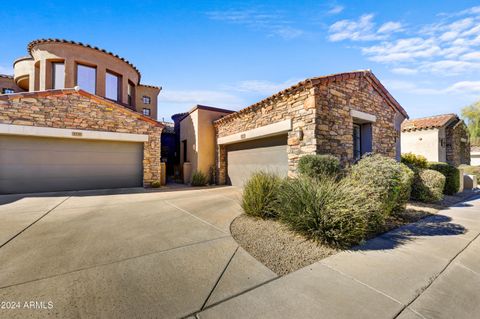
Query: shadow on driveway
[437,225]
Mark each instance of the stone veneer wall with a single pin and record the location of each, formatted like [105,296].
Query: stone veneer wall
[298,106]
[322,111]
[83,111]
[456,154]
[334,132]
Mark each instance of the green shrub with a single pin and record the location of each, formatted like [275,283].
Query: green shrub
[260,195]
[428,185]
[333,212]
[316,166]
[452,175]
[414,160]
[406,181]
[199,179]
[386,183]
[155,184]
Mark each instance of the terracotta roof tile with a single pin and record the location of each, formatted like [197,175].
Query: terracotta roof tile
[424,123]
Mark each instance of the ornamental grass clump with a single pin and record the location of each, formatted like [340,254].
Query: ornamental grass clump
[199,179]
[330,211]
[260,195]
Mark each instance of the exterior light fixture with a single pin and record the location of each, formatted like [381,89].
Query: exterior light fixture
[299,134]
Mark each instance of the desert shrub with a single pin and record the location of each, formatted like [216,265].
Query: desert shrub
[452,175]
[414,160]
[155,184]
[316,166]
[199,179]
[406,181]
[330,211]
[428,185]
[260,195]
[386,183]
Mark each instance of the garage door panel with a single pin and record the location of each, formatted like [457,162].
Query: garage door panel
[35,164]
[246,158]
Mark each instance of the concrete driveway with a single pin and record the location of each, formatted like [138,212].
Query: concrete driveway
[122,254]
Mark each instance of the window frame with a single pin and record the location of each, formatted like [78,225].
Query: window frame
[53,69]
[119,85]
[147,109]
[357,141]
[86,65]
[4,91]
[146,98]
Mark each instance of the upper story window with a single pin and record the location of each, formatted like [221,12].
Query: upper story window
[87,78]
[130,93]
[7,91]
[112,86]
[58,75]
[146,112]
[146,100]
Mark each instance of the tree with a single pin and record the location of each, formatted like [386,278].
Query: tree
[471,114]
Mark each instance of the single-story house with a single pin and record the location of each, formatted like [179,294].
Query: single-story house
[475,156]
[197,140]
[69,139]
[346,115]
[440,138]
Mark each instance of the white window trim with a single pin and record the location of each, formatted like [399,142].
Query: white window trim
[25,130]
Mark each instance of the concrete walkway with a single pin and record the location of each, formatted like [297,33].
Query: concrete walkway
[430,269]
[122,253]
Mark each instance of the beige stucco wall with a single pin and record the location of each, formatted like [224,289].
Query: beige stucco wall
[198,130]
[475,158]
[152,93]
[423,142]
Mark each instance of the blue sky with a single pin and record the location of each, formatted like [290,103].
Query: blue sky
[231,54]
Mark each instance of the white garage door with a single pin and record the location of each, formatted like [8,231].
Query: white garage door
[37,164]
[266,154]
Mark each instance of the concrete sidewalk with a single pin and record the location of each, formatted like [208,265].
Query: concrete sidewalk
[429,269]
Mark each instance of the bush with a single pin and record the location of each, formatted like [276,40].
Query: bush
[414,160]
[260,195]
[386,183]
[330,211]
[316,166]
[452,175]
[199,179]
[428,185]
[155,184]
[406,181]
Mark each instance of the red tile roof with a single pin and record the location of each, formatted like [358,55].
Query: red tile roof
[424,123]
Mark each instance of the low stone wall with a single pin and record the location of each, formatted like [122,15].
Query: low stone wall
[80,110]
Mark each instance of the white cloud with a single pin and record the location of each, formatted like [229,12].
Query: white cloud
[273,24]
[336,9]
[465,87]
[6,70]
[450,46]
[404,71]
[192,97]
[359,30]
[390,26]
[261,86]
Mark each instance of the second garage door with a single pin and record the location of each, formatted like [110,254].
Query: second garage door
[38,164]
[266,154]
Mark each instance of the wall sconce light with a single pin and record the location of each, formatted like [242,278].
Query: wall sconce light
[299,134]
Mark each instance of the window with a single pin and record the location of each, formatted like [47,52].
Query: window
[112,89]
[7,91]
[357,141]
[146,100]
[184,145]
[86,78]
[58,75]
[130,93]
[146,112]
